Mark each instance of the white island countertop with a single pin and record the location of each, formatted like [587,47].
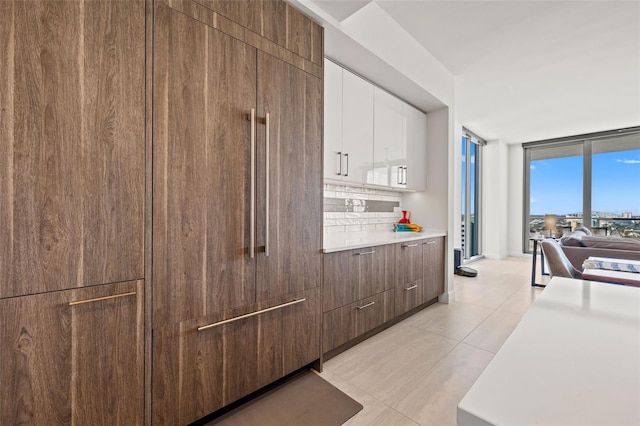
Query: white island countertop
[354,240]
[574,359]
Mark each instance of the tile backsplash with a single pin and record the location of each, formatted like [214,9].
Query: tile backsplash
[353,208]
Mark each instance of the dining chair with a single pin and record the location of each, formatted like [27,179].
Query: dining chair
[559,264]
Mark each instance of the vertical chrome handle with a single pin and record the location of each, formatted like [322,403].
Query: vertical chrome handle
[339,172]
[266,224]
[405,175]
[347,158]
[252,212]
[399,175]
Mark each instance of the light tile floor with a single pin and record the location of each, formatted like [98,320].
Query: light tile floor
[416,372]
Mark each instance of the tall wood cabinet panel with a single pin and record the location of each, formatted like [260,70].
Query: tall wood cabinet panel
[237,217]
[204,87]
[71,144]
[289,187]
[65,363]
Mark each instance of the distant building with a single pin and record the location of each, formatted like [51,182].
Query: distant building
[627,215]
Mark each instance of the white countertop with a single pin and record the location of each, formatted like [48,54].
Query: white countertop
[574,359]
[353,240]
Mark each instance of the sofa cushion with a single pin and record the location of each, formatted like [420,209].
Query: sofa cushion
[611,243]
[573,239]
[583,229]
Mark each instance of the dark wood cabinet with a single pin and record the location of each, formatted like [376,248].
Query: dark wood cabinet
[434,267]
[71,144]
[198,371]
[275,20]
[237,218]
[356,274]
[408,261]
[73,357]
[408,296]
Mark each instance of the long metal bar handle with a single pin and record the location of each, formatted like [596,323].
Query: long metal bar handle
[399,175]
[97,299]
[252,202]
[266,225]
[362,253]
[347,158]
[367,305]
[409,245]
[411,288]
[429,242]
[262,311]
[404,174]
[339,163]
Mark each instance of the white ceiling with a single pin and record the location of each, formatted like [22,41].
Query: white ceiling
[524,70]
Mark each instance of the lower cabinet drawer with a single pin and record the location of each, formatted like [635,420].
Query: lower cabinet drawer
[202,365]
[348,322]
[408,296]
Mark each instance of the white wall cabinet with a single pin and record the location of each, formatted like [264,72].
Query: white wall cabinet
[389,151]
[357,128]
[370,136]
[415,141]
[348,125]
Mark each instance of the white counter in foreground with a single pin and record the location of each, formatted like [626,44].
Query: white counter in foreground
[354,240]
[574,359]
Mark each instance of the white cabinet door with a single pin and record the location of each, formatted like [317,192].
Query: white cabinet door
[415,136]
[332,120]
[389,152]
[357,127]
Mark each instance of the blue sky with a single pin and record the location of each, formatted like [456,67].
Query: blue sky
[556,184]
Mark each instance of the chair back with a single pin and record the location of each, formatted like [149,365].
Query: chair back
[559,264]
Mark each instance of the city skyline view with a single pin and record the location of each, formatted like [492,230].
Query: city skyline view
[556,184]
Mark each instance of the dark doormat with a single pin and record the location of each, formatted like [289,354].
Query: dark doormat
[304,400]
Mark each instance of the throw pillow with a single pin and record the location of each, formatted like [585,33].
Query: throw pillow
[584,229]
[611,243]
[573,239]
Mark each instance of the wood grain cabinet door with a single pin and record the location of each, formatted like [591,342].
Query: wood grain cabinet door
[71,144]
[434,267]
[409,261]
[73,357]
[289,186]
[204,92]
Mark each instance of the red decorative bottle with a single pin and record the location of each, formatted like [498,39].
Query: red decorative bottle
[404,219]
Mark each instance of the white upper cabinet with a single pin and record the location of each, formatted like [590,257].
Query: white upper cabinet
[332,120]
[415,141]
[357,128]
[370,136]
[389,151]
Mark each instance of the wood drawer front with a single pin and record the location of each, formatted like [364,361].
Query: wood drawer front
[408,296]
[348,322]
[73,364]
[434,267]
[373,315]
[340,278]
[197,372]
[409,261]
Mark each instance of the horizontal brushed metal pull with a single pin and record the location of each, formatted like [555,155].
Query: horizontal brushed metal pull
[365,252]
[262,311]
[430,242]
[367,305]
[97,299]
[409,245]
[411,288]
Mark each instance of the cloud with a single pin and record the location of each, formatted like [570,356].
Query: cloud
[532,167]
[628,161]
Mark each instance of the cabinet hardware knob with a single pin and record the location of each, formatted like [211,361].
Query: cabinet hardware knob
[97,299]
[262,311]
[367,305]
[411,288]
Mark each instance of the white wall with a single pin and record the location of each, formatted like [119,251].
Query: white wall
[514,212]
[432,207]
[495,199]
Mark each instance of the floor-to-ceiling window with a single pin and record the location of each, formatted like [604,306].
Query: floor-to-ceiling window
[470,203]
[591,180]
